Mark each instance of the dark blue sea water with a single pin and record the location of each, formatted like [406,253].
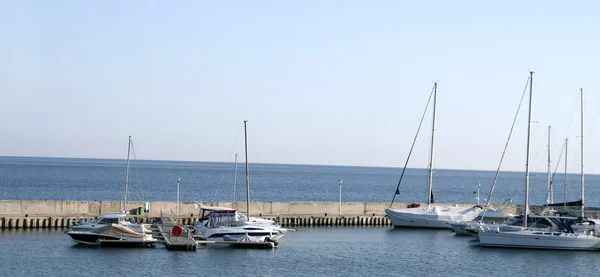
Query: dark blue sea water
[24,178]
[317,251]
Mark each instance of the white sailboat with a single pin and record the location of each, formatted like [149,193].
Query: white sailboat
[430,216]
[536,239]
[218,223]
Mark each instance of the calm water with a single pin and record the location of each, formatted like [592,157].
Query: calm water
[101,179]
[360,251]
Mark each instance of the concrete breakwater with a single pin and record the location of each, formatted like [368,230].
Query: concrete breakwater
[70,208]
[66,213]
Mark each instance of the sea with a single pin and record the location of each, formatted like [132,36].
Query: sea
[314,251]
[309,251]
[35,178]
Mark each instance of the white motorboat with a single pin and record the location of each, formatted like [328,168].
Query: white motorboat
[471,227]
[112,233]
[106,220]
[494,215]
[222,223]
[205,212]
[432,215]
[109,218]
[217,222]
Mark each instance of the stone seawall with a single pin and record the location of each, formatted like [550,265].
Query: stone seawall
[17,214]
[68,208]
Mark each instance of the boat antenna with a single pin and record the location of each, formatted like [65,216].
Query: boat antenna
[512,127]
[411,148]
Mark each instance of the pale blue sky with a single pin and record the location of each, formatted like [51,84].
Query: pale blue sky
[321,82]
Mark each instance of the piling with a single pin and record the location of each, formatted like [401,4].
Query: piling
[284,221]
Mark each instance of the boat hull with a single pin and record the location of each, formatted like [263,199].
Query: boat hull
[539,240]
[261,236]
[91,238]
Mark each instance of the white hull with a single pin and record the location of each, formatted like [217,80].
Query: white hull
[217,234]
[539,240]
[437,217]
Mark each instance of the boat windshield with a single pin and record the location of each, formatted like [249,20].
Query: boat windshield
[216,220]
[110,220]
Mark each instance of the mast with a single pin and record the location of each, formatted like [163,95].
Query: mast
[566,156]
[430,189]
[234,182]
[127,174]
[177,214]
[527,155]
[549,197]
[582,154]
[247,180]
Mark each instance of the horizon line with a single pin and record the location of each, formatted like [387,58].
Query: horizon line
[272,163]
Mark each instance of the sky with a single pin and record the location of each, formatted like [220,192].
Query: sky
[320,82]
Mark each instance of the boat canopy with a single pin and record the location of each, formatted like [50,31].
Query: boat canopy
[218,219]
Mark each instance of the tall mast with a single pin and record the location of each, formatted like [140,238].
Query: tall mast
[234,182]
[582,154]
[549,198]
[527,156]
[429,190]
[177,214]
[127,174]
[566,156]
[247,180]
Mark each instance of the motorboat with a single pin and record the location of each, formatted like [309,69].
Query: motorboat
[497,217]
[205,211]
[110,218]
[112,233]
[220,223]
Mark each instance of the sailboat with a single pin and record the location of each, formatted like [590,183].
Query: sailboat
[563,238]
[432,215]
[219,223]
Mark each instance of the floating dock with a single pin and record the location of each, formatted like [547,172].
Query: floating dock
[185,242]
